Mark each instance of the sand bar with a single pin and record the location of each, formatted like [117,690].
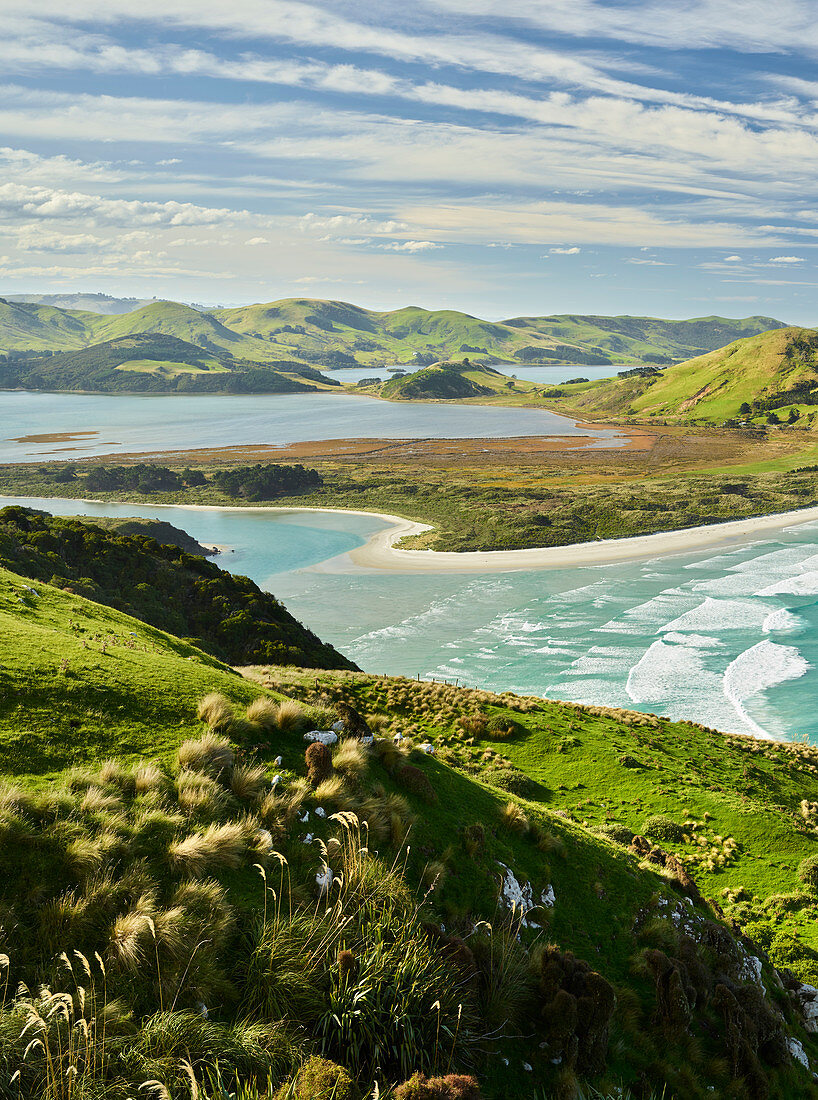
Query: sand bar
[380,555]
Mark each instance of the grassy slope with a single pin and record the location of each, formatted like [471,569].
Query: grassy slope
[81,682]
[639,338]
[709,388]
[256,333]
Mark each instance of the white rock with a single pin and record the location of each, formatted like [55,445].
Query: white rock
[548,897]
[307,839]
[515,895]
[750,971]
[527,1067]
[202,1007]
[277,762]
[320,811]
[323,880]
[427,747]
[326,737]
[796,1049]
[305,817]
[337,727]
[807,996]
[397,737]
[275,781]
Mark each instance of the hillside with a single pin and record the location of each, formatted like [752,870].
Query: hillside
[386,908]
[156,529]
[646,339]
[773,373]
[445,382]
[225,615]
[336,334]
[92,303]
[154,363]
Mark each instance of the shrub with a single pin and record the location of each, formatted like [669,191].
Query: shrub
[416,782]
[290,715]
[318,1079]
[576,1007]
[474,839]
[663,828]
[620,833]
[263,712]
[216,711]
[319,763]
[808,872]
[452,1087]
[500,728]
[211,754]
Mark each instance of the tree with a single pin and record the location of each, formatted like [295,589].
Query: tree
[745,409]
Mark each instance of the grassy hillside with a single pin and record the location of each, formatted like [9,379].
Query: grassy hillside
[155,363]
[774,373]
[444,382]
[93,303]
[649,339]
[206,916]
[330,333]
[226,615]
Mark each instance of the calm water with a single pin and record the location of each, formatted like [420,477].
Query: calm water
[727,639]
[127,423]
[544,376]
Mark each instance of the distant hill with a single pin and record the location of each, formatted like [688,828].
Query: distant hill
[227,616]
[157,529]
[773,373]
[149,362]
[444,382]
[94,303]
[337,334]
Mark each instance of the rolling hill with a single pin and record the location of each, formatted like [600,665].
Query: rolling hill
[774,374]
[335,334]
[442,899]
[152,362]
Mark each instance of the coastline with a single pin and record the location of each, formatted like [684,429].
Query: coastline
[379,553]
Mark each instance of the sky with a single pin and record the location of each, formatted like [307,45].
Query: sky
[651,157]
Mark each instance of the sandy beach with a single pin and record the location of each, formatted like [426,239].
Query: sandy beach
[380,553]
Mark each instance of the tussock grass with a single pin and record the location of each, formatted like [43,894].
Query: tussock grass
[217,712]
[350,758]
[210,753]
[248,781]
[219,846]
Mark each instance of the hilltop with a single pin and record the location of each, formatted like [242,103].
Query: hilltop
[428,889]
[337,334]
[773,373]
[446,382]
[156,363]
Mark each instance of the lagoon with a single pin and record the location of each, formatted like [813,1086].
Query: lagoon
[111,424]
[728,638]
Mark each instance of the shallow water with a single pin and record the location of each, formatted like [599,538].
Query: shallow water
[128,423]
[729,639]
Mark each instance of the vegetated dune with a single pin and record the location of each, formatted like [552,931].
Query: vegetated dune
[775,372]
[425,891]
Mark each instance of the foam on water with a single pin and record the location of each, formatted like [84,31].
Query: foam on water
[806,584]
[756,670]
[696,641]
[782,621]
[712,614]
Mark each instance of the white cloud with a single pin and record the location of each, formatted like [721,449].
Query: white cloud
[411,246]
[565,251]
[786,260]
[732,259]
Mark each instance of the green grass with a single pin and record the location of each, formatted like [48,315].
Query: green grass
[165,366]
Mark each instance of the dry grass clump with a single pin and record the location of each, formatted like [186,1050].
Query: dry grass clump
[130,936]
[84,856]
[334,792]
[113,773]
[210,753]
[219,846]
[513,818]
[350,758]
[289,715]
[248,782]
[263,712]
[216,711]
[150,779]
[200,795]
[96,800]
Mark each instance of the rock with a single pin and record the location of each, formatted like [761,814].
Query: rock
[797,1051]
[515,895]
[427,747]
[324,737]
[807,998]
[323,880]
[548,897]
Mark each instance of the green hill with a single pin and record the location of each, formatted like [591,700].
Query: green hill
[335,334]
[647,339]
[156,363]
[225,615]
[445,382]
[775,372]
[218,906]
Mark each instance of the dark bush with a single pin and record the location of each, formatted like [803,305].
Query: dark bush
[576,1006]
[808,872]
[414,781]
[319,763]
[318,1079]
[663,828]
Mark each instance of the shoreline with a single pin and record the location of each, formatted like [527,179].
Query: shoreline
[380,555]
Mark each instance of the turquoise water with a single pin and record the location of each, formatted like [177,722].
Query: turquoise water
[544,376]
[128,423]
[729,639]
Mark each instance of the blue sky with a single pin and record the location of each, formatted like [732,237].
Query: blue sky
[646,157]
